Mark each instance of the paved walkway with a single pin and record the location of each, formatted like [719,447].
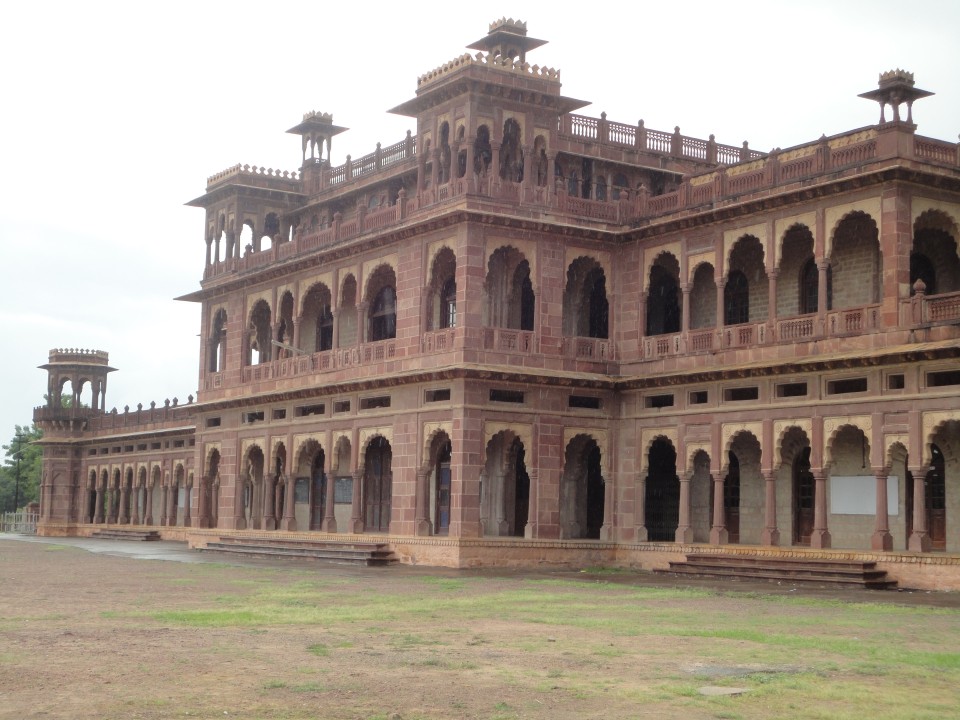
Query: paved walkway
[180,552]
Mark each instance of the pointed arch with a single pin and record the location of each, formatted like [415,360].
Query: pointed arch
[663,295]
[585,306]
[856,261]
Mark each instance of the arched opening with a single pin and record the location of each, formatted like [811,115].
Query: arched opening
[936,498]
[731,500]
[745,294]
[582,490]
[540,157]
[159,511]
[511,301]
[271,231]
[461,154]
[934,254]
[217,346]
[442,298]
[382,321]
[505,487]
[662,505]
[585,307]
[621,187]
[258,351]
[736,299]
[252,480]
[803,498]
[921,268]
[440,497]
[285,327]
[856,262]
[443,174]
[213,487]
[703,298]
[246,237]
[511,152]
[663,302]
[377,485]
[482,151]
[316,324]
[181,499]
[91,504]
[318,492]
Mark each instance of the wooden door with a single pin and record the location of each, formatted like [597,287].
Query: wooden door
[803,499]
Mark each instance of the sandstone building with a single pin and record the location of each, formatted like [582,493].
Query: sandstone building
[525,335]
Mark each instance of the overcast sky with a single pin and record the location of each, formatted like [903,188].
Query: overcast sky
[114,114]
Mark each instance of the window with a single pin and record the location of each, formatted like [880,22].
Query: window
[308,410]
[699,397]
[741,393]
[442,395]
[507,396]
[372,403]
[585,402]
[341,406]
[943,378]
[213,422]
[658,401]
[448,304]
[850,385]
[279,414]
[797,389]
[252,417]
[736,297]
[383,315]
[178,443]
[896,381]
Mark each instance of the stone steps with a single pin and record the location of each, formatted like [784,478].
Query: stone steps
[353,553]
[834,573]
[126,534]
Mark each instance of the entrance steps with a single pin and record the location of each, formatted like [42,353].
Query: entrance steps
[832,573]
[116,533]
[353,553]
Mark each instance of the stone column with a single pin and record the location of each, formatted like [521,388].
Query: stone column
[188,497]
[718,533]
[607,530]
[203,503]
[484,505]
[148,520]
[164,491]
[289,521]
[643,314]
[356,507]
[882,539]
[422,518]
[279,493]
[821,535]
[172,505]
[640,508]
[772,303]
[721,284]
[329,523]
[239,490]
[919,539]
[269,521]
[685,311]
[124,516]
[137,515]
[362,308]
[98,505]
[531,530]
[684,532]
[335,342]
[770,534]
[822,267]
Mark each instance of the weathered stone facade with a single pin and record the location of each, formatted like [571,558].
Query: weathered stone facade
[603,341]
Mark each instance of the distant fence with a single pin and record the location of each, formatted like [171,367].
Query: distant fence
[22,523]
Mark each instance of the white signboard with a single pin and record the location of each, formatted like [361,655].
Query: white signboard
[857,495]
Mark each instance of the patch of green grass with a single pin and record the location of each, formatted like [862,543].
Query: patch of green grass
[55,548]
[307,687]
[318,649]
[274,685]
[444,583]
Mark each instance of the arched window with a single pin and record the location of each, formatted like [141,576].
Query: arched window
[736,297]
[482,151]
[810,285]
[663,305]
[527,302]
[511,153]
[383,315]
[448,304]
[218,342]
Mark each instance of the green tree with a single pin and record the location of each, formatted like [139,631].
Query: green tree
[31,463]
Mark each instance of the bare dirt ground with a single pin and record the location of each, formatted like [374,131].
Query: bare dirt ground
[96,635]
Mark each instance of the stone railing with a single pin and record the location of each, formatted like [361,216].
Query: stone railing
[487,60]
[638,137]
[74,355]
[585,348]
[327,360]
[511,341]
[436,341]
[257,175]
[171,411]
